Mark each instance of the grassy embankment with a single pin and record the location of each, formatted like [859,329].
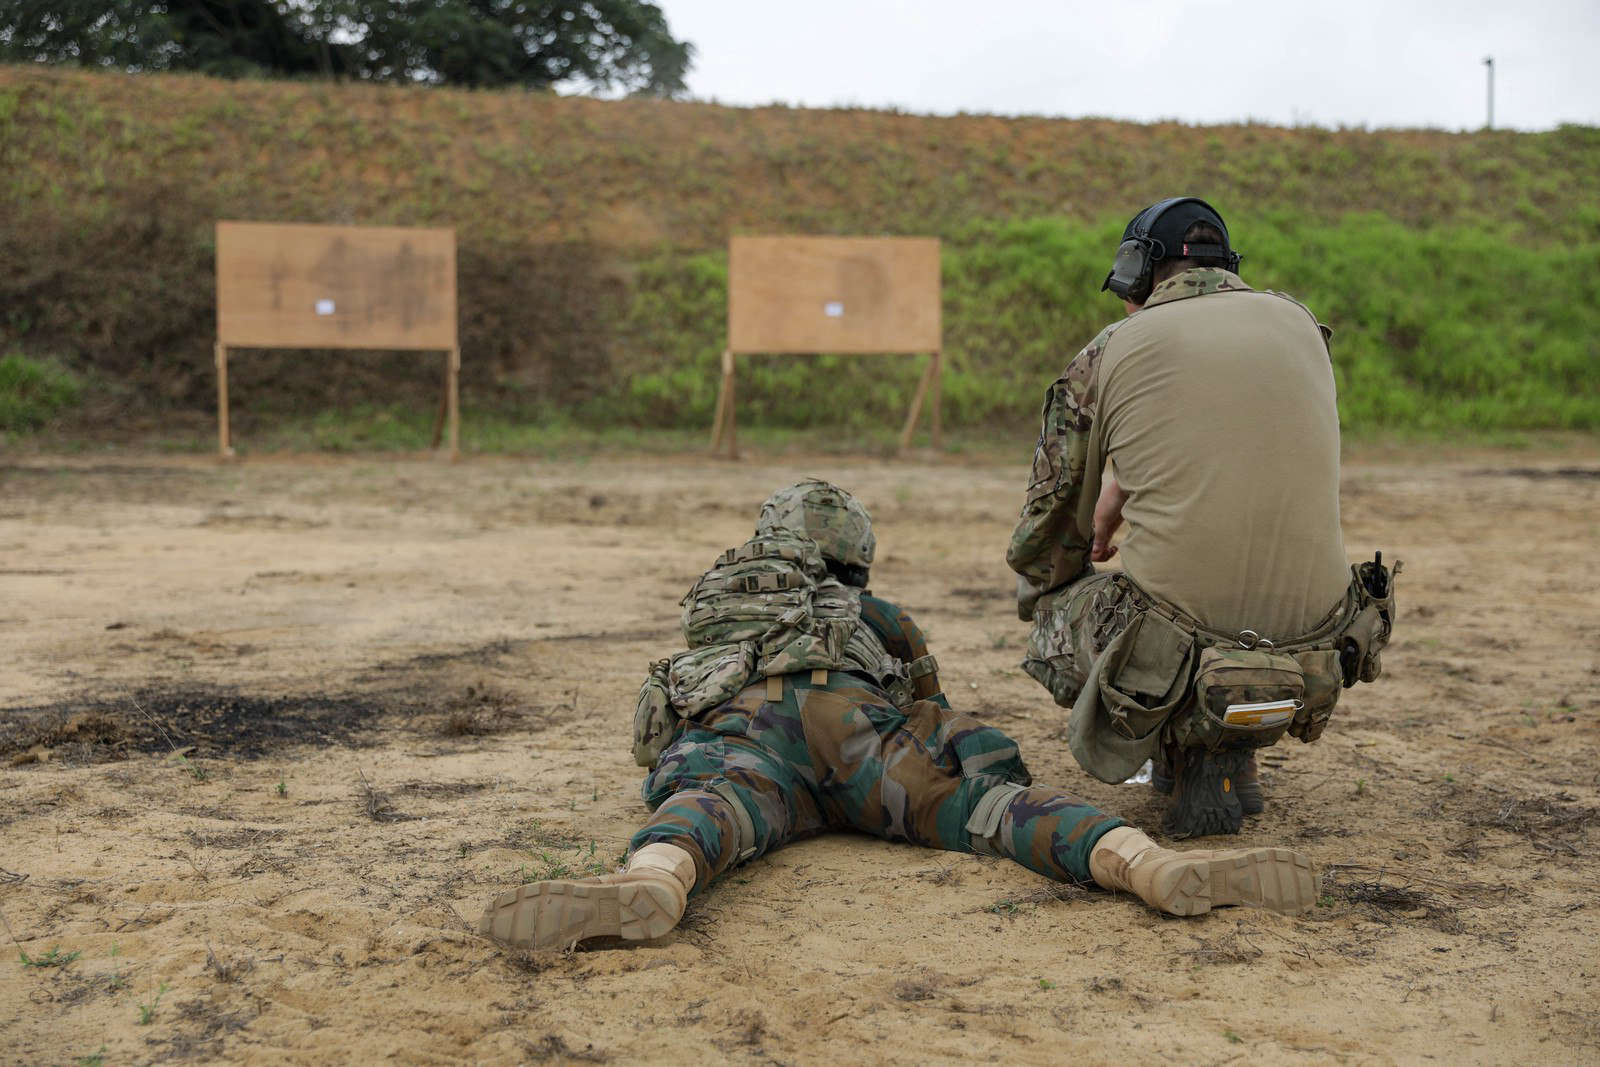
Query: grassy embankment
[1461,272]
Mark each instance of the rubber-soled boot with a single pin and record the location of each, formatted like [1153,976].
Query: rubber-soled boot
[1248,787]
[642,902]
[1203,798]
[1161,777]
[1252,801]
[1192,883]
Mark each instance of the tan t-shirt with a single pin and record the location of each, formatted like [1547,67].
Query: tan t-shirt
[1217,414]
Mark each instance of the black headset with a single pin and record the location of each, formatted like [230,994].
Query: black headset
[1141,249]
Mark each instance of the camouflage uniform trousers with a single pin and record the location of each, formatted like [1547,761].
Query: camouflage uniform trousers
[840,756]
[1073,626]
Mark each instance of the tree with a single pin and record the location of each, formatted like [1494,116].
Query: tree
[598,44]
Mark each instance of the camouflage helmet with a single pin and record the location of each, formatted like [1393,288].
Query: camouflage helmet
[828,515]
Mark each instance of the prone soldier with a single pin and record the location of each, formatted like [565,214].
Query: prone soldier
[806,704]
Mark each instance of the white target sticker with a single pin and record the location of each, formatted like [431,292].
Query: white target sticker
[324,307]
[834,309]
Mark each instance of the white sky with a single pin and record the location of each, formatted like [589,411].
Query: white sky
[1336,62]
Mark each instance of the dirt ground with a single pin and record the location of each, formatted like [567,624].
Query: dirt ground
[273,732]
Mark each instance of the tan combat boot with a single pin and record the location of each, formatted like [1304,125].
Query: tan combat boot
[1192,883]
[643,901]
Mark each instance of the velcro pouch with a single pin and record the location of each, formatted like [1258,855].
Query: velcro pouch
[924,674]
[1145,674]
[1247,696]
[703,678]
[1323,681]
[655,721]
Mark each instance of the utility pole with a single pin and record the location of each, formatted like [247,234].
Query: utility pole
[1488,61]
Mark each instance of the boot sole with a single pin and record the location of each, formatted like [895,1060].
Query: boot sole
[558,915]
[1276,879]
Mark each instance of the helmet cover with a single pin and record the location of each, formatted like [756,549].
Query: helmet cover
[830,516]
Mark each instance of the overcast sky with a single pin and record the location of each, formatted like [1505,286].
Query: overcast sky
[1345,62]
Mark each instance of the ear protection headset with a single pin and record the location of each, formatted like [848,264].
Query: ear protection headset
[1156,233]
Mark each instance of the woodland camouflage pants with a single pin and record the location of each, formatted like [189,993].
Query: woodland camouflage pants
[757,773]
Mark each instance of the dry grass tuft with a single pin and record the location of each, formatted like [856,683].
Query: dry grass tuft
[552,1047]
[229,970]
[1229,948]
[377,806]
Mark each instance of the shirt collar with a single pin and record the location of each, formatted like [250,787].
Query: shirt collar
[1196,281]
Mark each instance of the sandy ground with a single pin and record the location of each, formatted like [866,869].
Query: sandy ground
[274,731]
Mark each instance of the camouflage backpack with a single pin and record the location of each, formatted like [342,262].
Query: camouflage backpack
[765,608]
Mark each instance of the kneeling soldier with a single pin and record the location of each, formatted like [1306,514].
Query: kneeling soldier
[806,704]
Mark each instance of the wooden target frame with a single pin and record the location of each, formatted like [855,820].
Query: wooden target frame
[290,285]
[844,295]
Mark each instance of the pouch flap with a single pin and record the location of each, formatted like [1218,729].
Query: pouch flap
[1153,652]
[705,677]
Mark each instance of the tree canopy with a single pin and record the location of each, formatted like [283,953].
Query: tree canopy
[600,44]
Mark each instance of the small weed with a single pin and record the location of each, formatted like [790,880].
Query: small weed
[1325,901]
[1045,983]
[93,1059]
[1232,1037]
[197,772]
[116,950]
[553,868]
[282,787]
[54,958]
[116,983]
[1361,786]
[1450,778]
[147,1012]
[1005,906]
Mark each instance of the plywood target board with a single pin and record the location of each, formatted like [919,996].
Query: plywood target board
[306,286]
[862,295]
[833,294]
[289,285]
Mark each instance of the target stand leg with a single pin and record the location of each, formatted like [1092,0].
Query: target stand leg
[224,432]
[915,413]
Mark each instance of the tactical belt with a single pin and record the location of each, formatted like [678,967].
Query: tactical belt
[1324,634]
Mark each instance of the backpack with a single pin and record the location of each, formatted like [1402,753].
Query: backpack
[765,608]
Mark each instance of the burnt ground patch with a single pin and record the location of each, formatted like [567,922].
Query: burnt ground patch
[1539,474]
[201,721]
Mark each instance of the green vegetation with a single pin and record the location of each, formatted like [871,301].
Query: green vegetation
[32,392]
[1459,271]
[605,42]
[147,1011]
[54,958]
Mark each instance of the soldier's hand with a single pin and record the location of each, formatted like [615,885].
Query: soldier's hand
[1107,517]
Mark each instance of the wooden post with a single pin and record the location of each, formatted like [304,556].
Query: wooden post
[444,406]
[915,411]
[938,400]
[224,435]
[729,364]
[454,391]
[722,401]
